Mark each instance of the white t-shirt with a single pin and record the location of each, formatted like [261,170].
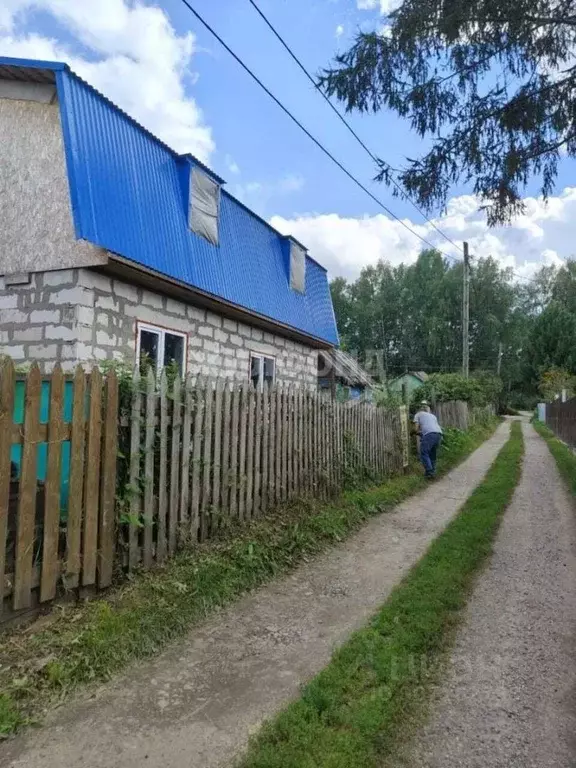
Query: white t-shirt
[427,422]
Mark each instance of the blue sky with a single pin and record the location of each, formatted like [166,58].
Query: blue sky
[156,61]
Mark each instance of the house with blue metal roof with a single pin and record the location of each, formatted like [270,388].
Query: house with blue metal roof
[113,246]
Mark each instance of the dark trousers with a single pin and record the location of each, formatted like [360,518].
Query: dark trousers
[428,448]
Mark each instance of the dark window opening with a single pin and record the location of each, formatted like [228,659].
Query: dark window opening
[158,349]
[262,371]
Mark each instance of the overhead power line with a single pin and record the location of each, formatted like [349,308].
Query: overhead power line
[340,116]
[311,136]
[319,144]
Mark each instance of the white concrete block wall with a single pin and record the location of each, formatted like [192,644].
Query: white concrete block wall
[82,316]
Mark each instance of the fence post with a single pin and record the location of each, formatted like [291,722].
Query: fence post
[148,516]
[135,500]
[226,439]
[250,452]
[76,485]
[199,404]
[184,517]
[257,487]
[92,485]
[6,417]
[404,437]
[265,470]
[161,543]
[242,479]
[235,438]
[217,460]
[27,500]
[108,484]
[50,564]
[206,501]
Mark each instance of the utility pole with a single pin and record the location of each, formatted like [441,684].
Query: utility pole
[500,353]
[466,314]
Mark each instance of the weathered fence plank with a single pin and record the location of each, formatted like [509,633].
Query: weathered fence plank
[162,539]
[50,562]
[27,497]
[107,532]
[195,490]
[7,384]
[134,489]
[257,452]
[235,472]
[250,453]
[175,464]
[278,446]
[150,434]
[265,448]
[226,439]
[217,453]
[270,459]
[242,478]
[77,450]
[206,500]
[188,407]
[92,481]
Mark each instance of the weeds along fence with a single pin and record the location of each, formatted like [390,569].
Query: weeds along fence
[100,474]
[206,452]
[561,419]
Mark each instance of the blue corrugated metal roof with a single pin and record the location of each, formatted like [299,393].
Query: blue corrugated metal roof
[127,197]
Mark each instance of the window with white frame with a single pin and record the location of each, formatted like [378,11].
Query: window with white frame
[160,347]
[262,371]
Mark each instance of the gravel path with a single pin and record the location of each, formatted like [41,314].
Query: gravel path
[509,700]
[196,704]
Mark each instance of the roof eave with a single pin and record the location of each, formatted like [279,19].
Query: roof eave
[131,270]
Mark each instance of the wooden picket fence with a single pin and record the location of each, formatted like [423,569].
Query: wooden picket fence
[207,452]
[97,478]
[43,545]
[561,419]
[461,415]
[453,413]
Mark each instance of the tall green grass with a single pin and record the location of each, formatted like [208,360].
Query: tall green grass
[93,641]
[563,454]
[354,712]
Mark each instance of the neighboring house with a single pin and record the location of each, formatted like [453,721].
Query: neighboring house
[412,380]
[115,247]
[341,373]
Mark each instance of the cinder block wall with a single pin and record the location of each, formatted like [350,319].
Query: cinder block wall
[79,315]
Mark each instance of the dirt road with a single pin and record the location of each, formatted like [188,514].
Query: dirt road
[509,700]
[196,704]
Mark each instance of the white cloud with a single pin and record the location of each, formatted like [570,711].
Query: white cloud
[290,183]
[232,165]
[544,235]
[259,194]
[137,60]
[386,6]
[339,30]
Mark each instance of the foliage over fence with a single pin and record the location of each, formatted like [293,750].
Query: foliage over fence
[479,390]
[154,466]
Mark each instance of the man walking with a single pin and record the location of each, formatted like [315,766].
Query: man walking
[430,437]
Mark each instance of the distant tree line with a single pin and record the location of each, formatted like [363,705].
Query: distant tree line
[409,318]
